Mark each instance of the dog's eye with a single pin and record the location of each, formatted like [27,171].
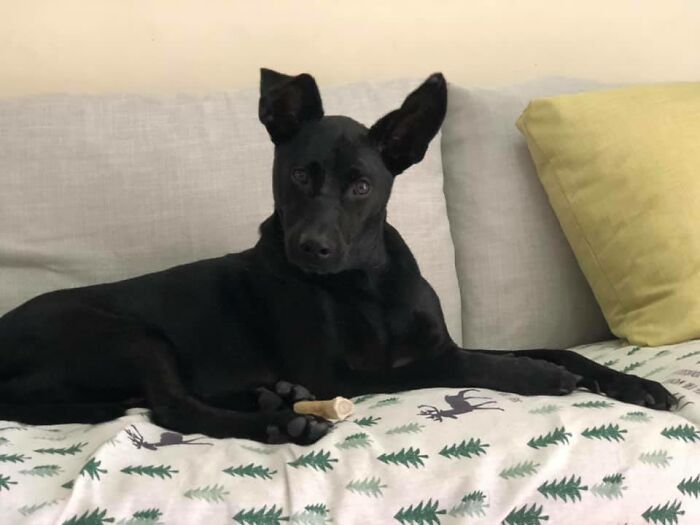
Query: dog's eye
[300,176]
[361,187]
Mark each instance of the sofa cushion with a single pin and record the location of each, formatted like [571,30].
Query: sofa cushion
[521,286]
[100,188]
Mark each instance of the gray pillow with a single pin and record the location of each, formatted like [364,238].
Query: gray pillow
[521,285]
[100,188]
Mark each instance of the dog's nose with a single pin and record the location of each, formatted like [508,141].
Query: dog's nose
[316,247]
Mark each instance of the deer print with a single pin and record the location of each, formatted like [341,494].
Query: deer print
[166,439]
[459,404]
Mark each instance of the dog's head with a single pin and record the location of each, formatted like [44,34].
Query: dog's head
[332,176]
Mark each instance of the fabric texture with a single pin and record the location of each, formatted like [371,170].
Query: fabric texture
[620,168]
[433,456]
[100,188]
[521,285]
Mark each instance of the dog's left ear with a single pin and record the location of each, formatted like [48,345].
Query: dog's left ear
[403,135]
[286,102]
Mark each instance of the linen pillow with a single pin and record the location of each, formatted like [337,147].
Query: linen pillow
[622,171]
[100,188]
[521,286]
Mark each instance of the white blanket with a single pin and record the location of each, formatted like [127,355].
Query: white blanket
[421,457]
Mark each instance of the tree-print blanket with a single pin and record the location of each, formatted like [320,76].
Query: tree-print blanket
[437,456]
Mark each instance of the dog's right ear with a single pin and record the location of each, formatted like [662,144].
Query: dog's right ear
[286,102]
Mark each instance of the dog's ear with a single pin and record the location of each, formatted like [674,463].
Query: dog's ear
[286,102]
[403,135]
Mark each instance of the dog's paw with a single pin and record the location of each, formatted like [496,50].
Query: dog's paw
[288,427]
[538,377]
[283,396]
[638,391]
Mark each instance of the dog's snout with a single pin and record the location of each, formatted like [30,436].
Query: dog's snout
[317,247]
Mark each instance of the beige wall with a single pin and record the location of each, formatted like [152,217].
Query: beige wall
[194,45]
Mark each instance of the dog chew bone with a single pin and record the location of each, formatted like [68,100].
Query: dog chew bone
[337,408]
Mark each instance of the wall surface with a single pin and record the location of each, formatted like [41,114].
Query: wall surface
[200,45]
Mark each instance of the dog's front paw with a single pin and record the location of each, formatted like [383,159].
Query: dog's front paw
[283,396]
[289,427]
[638,391]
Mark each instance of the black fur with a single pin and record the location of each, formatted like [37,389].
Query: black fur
[330,298]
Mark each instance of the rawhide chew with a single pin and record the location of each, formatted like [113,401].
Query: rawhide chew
[337,408]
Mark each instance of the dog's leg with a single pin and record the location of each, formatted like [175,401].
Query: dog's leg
[173,407]
[601,379]
[60,413]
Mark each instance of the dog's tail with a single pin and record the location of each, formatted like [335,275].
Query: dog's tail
[59,413]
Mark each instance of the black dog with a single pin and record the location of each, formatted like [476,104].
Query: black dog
[329,298]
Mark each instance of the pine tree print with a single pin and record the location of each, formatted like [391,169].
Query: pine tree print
[360,440]
[211,494]
[654,372]
[320,460]
[68,484]
[143,517]
[311,515]
[28,510]
[525,516]
[92,469]
[545,409]
[668,514]
[563,489]
[251,470]
[407,458]
[611,362]
[661,353]
[556,436]
[423,513]
[410,428]
[690,354]
[520,470]
[13,458]
[367,487]
[634,350]
[610,488]
[368,421]
[658,458]
[593,404]
[389,401]
[608,432]
[69,451]
[632,366]
[96,517]
[153,471]
[259,450]
[685,432]
[263,516]
[5,482]
[362,399]
[637,417]
[473,504]
[690,486]
[465,450]
[43,471]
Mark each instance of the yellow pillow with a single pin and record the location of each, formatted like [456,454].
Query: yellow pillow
[622,172]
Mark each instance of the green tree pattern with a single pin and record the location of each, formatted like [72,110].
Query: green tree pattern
[4,441]
[143,517]
[43,471]
[407,458]
[608,432]
[153,471]
[687,433]
[657,458]
[556,436]
[689,354]
[311,515]
[262,516]
[520,470]
[690,486]
[610,488]
[28,510]
[472,504]
[594,404]
[368,487]
[423,513]
[13,458]
[464,449]
[546,409]
[526,516]
[362,399]
[368,421]
[360,440]
[666,514]
[92,469]
[389,401]
[563,489]
[637,417]
[96,517]
[5,482]
[251,471]
[320,460]
[409,428]
[68,451]
[634,350]
[611,363]
[259,450]
[211,494]
[632,366]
